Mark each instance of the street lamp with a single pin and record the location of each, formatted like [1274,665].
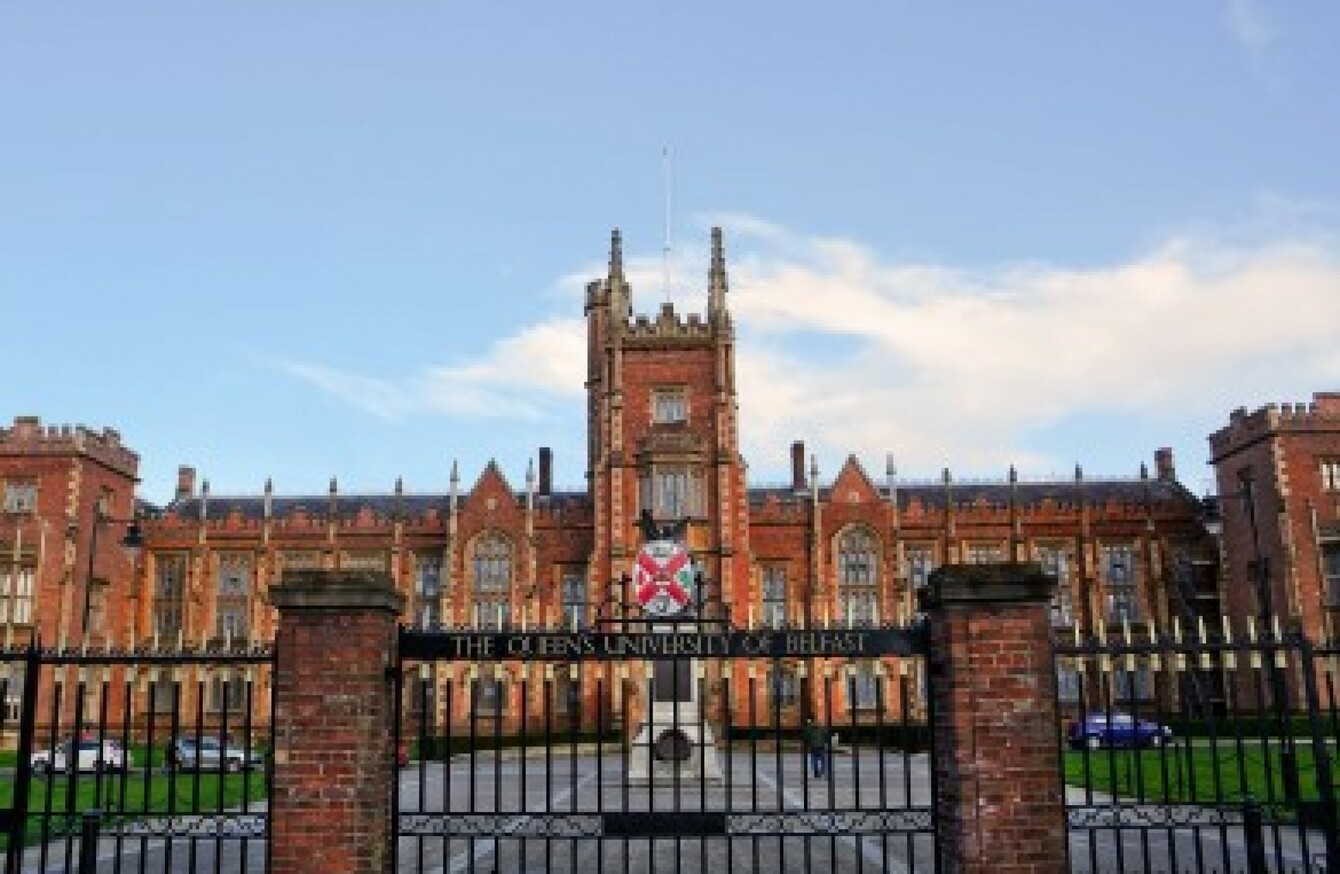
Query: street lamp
[132,542]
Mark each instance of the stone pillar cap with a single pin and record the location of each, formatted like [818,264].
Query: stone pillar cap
[999,583]
[336,590]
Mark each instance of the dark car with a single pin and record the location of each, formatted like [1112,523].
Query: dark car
[1098,730]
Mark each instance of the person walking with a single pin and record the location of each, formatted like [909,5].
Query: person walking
[816,741]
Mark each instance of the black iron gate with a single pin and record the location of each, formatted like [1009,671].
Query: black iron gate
[1209,751]
[148,759]
[663,746]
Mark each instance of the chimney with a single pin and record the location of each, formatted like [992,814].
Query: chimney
[798,482]
[1163,464]
[546,471]
[185,482]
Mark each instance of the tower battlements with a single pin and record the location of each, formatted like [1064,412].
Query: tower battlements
[28,436]
[670,325]
[1244,427]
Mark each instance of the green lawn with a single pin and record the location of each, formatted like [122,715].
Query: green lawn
[1195,772]
[135,796]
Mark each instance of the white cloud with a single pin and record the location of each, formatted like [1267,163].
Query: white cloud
[939,364]
[949,365]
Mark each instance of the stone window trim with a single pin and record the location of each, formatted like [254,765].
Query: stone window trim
[669,405]
[492,569]
[1329,468]
[773,594]
[858,553]
[21,496]
[862,682]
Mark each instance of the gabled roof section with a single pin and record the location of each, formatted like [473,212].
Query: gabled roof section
[853,485]
[492,483]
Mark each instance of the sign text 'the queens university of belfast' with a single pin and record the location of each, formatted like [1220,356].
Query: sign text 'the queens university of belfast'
[573,646]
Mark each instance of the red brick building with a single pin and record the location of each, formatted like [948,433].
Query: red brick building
[1278,476]
[662,419]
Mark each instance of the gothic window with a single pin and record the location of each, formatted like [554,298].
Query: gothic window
[21,497]
[774,595]
[567,690]
[574,599]
[491,563]
[300,559]
[427,589]
[16,594]
[228,694]
[920,563]
[1055,561]
[162,694]
[1119,574]
[363,560]
[669,405]
[984,553]
[783,685]
[1131,685]
[858,575]
[169,595]
[863,686]
[1067,682]
[1330,474]
[490,696]
[672,492]
[231,603]
[1330,565]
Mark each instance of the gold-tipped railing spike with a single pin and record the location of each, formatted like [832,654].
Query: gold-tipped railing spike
[1104,655]
[1206,661]
[1126,636]
[1179,658]
[753,672]
[1254,659]
[425,670]
[1155,659]
[1230,658]
[1281,656]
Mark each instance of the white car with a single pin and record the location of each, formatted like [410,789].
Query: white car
[89,756]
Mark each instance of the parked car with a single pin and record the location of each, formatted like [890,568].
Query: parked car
[89,755]
[1098,730]
[209,754]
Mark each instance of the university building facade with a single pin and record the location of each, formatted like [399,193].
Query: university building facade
[662,419]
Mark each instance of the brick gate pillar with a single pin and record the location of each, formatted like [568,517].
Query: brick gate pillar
[999,796]
[330,808]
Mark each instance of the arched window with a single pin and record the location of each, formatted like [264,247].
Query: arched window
[491,566]
[858,575]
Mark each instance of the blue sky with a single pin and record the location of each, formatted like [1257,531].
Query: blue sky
[310,239]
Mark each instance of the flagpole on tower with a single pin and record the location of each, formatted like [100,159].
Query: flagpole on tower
[665,220]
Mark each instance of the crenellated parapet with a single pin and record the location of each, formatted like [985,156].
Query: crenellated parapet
[669,326]
[1244,428]
[30,437]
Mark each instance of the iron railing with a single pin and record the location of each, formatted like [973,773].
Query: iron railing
[1160,782]
[143,759]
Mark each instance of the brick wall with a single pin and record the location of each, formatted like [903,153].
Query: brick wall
[334,767]
[999,805]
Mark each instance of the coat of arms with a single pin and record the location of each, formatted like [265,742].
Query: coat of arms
[663,578]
